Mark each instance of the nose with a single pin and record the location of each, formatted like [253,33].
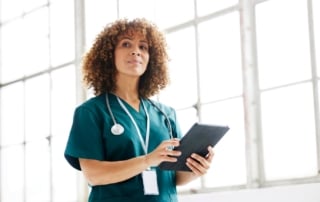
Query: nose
[135,53]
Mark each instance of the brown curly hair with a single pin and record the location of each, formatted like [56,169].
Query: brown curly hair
[98,63]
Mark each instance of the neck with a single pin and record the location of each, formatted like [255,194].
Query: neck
[127,95]
[128,91]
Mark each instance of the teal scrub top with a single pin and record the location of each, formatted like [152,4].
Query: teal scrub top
[90,137]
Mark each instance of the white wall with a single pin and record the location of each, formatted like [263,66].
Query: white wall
[292,193]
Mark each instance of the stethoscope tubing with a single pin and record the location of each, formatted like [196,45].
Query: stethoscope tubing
[117,129]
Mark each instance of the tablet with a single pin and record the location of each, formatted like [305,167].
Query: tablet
[196,140]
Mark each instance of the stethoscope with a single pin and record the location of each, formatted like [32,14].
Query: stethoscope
[118,129]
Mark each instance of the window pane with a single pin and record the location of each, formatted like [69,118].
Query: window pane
[35,42]
[138,8]
[12,122]
[220,61]
[12,169]
[37,107]
[289,132]
[61,32]
[181,60]
[62,172]
[170,13]
[283,45]
[98,14]
[63,100]
[32,4]
[186,118]
[11,62]
[207,7]
[10,9]
[38,171]
[230,151]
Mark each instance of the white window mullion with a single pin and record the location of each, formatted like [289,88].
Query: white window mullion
[251,95]
[79,11]
[314,77]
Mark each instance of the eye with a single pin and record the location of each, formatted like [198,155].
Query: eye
[125,44]
[144,47]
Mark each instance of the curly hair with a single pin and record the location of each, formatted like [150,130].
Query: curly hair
[98,66]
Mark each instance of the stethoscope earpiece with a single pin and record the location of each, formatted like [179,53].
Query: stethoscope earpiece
[117,129]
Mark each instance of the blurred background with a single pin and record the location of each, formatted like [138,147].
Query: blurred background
[250,64]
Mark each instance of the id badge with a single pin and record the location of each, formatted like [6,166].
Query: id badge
[150,184]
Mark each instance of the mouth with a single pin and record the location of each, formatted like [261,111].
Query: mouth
[134,62]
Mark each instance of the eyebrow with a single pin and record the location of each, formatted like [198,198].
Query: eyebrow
[130,38]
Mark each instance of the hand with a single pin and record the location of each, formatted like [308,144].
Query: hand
[200,165]
[163,153]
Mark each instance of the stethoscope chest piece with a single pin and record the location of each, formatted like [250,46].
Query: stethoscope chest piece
[117,129]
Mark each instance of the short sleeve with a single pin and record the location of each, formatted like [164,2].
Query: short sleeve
[85,138]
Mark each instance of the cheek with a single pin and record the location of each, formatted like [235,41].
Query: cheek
[117,58]
[146,58]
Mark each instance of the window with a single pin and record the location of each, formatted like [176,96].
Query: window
[287,124]
[283,46]
[209,51]
[61,32]
[287,100]
[181,60]
[37,94]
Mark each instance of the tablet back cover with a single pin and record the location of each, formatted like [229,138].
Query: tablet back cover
[196,140]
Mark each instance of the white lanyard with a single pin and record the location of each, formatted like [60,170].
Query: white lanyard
[143,143]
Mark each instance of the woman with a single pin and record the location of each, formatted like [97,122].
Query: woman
[119,137]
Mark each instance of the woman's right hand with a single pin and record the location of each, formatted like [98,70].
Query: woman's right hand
[164,152]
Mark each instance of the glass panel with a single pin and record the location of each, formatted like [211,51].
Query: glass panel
[230,151]
[316,23]
[12,174]
[35,42]
[38,171]
[11,62]
[10,9]
[220,58]
[170,13]
[289,132]
[282,40]
[186,85]
[63,102]
[62,172]
[12,114]
[207,7]
[186,118]
[138,8]
[37,107]
[32,4]
[98,14]
[62,32]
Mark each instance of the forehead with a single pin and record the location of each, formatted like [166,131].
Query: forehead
[133,34]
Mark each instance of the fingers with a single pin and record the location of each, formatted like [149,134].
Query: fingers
[172,143]
[168,146]
[164,152]
[210,155]
[195,167]
[200,165]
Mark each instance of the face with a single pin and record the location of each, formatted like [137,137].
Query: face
[132,55]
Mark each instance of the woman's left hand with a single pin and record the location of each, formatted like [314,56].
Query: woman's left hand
[200,165]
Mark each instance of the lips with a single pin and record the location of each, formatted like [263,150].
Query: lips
[134,62]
